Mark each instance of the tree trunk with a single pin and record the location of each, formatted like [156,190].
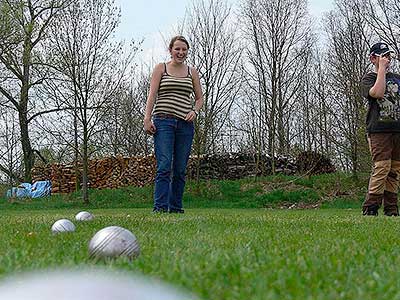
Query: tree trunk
[23,111]
[76,150]
[85,172]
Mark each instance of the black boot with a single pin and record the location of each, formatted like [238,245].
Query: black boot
[390,207]
[371,204]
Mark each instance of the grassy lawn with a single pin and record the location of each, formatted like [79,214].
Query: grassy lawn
[226,253]
[336,190]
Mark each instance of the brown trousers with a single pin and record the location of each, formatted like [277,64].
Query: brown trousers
[384,179]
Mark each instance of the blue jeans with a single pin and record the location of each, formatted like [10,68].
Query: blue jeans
[172,145]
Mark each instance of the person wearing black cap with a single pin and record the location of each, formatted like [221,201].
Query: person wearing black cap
[381,88]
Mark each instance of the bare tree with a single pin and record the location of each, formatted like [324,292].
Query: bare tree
[313,119]
[10,151]
[382,16]
[278,34]
[322,93]
[123,132]
[30,20]
[346,28]
[90,69]
[216,54]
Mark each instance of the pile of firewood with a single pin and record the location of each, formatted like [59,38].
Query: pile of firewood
[313,163]
[110,172]
[238,165]
[61,176]
[114,172]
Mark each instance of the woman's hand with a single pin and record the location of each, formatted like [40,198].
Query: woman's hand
[149,126]
[191,116]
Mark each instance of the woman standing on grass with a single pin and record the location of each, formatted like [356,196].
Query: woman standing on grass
[173,111]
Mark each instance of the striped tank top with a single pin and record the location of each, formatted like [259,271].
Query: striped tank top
[174,95]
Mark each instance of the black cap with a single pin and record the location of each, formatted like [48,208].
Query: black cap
[380,49]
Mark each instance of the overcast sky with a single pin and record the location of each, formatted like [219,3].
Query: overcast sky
[152,20]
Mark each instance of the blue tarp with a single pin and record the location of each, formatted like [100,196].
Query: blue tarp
[21,191]
[41,189]
[36,190]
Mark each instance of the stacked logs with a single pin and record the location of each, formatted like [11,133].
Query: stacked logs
[314,163]
[114,172]
[238,165]
[110,172]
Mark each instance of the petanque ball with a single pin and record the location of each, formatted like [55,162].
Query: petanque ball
[84,216]
[114,241]
[83,284]
[63,225]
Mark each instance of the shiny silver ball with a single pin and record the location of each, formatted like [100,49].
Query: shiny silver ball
[114,241]
[63,225]
[84,216]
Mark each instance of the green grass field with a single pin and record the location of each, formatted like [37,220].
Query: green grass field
[236,239]
[336,190]
[226,253]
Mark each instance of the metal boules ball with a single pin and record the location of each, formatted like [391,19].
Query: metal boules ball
[63,225]
[114,241]
[84,216]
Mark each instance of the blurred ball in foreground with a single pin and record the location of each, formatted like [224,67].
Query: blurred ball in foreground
[114,241]
[84,216]
[86,285]
[63,225]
